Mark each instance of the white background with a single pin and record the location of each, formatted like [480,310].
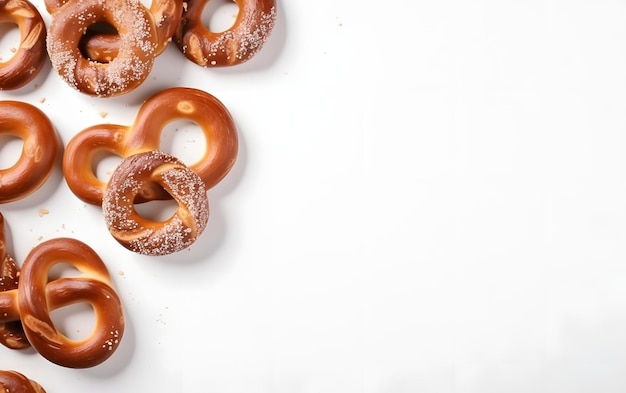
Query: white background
[430,196]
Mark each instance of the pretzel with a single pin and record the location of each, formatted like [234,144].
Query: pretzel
[145,135]
[39,151]
[103,46]
[14,382]
[253,25]
[30,56]
[125,72]
[145,236]
[36,296]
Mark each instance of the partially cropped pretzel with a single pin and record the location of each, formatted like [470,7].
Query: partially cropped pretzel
[145,236]
[130,67]
[31,55]
[37,295]
[39,149]
[253,25]
[15,382]
[144,135]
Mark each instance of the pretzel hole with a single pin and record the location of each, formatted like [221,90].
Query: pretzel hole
[157,210]
[10,150]
[183,139]
[10,39]
[75,321]
[103,165]
[100,42]
[219,15]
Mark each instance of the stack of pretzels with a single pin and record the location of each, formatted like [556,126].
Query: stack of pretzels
[106,48]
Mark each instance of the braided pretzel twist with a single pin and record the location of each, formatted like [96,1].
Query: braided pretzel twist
[36,296]
[30,56]
[145,135]
[155,237]
[39,150]
[125,72]
[12,381]
[253,25]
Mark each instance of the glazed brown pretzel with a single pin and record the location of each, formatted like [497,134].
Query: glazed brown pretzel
[125,72]
[29,58]
[144,135]
[36,296]
[253,25]
[39,151]
[145,236]
[14,382]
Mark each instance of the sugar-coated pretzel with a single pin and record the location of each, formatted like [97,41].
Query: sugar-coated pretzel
[37,295]
[104,46]
[31,55]
[39,149]
[144,135]
[125,72]
[145,236]
[15,382]
[253,25]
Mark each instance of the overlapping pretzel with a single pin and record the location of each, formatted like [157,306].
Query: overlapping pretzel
[39,149]
[169,179]
[28,296]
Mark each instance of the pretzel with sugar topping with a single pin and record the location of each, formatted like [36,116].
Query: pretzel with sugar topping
[146,236]
[15,382]
[127,70]
[31,55]
[239,43]
[144,135]
[39,149]
[37,295]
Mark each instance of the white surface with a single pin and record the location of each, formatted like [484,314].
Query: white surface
[430,196]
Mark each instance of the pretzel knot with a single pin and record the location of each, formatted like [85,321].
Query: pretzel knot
[37,295]
[123,73]
[31,54]
[144,135]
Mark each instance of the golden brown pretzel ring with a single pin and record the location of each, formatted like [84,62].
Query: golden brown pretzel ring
[145,135]
[122,74]
[253,25]
[39,150]
[29,58]
[14,382]
[145,236]
[36,296]
[166,14]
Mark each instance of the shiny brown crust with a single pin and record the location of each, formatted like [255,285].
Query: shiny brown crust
[39,151]
[253,25]
[31,55]
[166,16]
[37,297]
[145,236]
[14,382]
[123,73]
[145,135]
